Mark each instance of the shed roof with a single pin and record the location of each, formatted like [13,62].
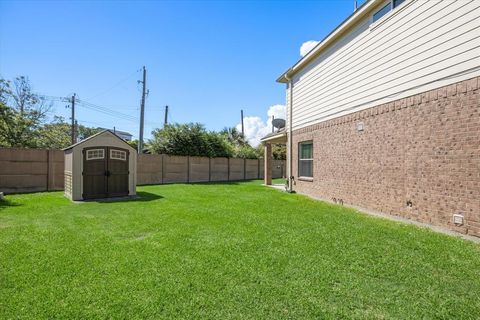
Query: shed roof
[96,135]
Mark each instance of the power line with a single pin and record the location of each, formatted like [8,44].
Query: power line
[114,86]
[106,111]
[98,108]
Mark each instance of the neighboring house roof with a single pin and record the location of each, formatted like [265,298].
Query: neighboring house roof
[119,132]
[333,36]
[96,135]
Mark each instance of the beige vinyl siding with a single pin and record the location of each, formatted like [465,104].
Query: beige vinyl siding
[418,46]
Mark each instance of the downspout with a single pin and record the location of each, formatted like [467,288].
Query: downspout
[290,141]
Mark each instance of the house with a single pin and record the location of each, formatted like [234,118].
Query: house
[384,113]
[121,134]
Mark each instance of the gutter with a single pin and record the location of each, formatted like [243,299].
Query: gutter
[289,136]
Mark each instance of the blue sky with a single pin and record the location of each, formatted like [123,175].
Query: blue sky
[206,60]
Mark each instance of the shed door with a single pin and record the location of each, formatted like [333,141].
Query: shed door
[105,172]
[117,172]
[94,173]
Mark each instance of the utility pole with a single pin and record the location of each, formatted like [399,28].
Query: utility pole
[73,119]
[243,128]
[166,116]
[273,118]
[142,111]
[76,131]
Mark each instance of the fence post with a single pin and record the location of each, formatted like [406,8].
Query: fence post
[228,169]
[209,169]
[48,170]
[258,168]
[163,170]
[244,168]
[188,169]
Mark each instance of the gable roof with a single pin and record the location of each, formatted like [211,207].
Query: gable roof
[96,135]
[333,36]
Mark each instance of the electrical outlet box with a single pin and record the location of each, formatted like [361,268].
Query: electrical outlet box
[458,219]
[360,126]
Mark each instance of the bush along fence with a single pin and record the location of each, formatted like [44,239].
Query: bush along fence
[35,170]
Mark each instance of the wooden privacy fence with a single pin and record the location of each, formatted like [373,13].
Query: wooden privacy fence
[34,170]
[159,169]
[31,170]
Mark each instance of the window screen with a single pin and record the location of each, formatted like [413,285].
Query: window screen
[95,154]
[118,155]
[305,159]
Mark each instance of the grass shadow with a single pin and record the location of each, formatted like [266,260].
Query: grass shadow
[142,196]
[4,203]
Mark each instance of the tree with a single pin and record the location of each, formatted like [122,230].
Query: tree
[84,132]
[54,135]
[58,134]
[234,136]
[218,145]
[247,152]
[190,139]
[21,113]
[279,151]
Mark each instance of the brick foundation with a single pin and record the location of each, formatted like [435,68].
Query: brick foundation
[424,149]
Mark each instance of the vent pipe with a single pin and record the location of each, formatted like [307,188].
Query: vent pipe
[355,5]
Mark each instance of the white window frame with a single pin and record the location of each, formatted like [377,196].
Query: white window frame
[96,157]
[124,153]
[304,159]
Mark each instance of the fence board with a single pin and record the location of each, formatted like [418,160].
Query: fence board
[175,169]
[236,169]
[199,169]
[218,169]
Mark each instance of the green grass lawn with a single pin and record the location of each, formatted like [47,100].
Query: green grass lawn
[221,251]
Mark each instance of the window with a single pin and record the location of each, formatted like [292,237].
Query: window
[386,9]
[118,155]
[305,159]
[95,154]
[380,13]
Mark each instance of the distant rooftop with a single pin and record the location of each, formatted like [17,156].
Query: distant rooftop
[122,134]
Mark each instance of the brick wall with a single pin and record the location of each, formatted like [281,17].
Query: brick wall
[424,149]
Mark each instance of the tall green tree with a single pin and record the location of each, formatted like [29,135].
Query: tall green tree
[21,113]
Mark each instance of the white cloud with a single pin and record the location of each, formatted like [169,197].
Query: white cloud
[277,110]
[307,46]
[256,128]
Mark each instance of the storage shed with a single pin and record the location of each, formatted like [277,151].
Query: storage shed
[101,166]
